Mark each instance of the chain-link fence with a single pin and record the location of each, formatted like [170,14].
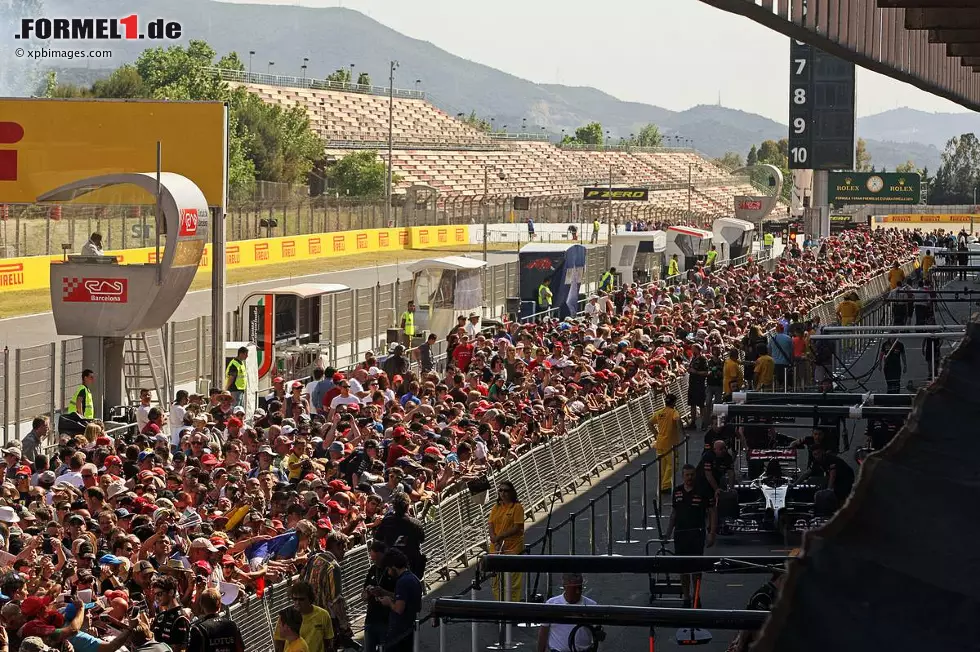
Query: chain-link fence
[49,230]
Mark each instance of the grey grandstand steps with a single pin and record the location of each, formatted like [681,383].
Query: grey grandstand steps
[145,366]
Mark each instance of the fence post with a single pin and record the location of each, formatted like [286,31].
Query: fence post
[375,316]
[172,354]
[592,526]
[628,539]
[54,378]
[6,392]
[609,522]
[16,397]
[199,338]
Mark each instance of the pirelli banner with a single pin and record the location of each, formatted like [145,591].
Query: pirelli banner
[617,194]
[32,273]
[928,218]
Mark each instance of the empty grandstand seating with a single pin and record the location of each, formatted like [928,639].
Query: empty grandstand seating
[433,148]
[356,117]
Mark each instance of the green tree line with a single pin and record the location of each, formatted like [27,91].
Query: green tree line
[267,142]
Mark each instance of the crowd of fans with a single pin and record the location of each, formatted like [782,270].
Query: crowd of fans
[217,498]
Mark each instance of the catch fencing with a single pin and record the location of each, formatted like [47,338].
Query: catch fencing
[48,230]
[456,528]
[40,380]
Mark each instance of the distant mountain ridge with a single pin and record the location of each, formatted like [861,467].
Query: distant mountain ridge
[335,37]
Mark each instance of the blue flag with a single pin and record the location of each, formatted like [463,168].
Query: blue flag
[284,546]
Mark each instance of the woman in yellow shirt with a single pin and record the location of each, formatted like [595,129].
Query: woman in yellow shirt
[667,424]
[507,535]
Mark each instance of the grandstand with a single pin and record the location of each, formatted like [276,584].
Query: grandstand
[432,148]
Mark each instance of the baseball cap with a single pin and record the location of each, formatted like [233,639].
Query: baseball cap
[142,566]
[33,606]
[202,542]
[337,485]
[33,644]
[334,506]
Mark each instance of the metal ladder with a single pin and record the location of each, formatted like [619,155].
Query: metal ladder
[145,366]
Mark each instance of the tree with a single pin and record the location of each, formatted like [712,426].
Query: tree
[364,79]
[476,122]
[340,75]
[753,157]
[769,152]
[959,172]
[590,134]
[266,141]
[359,174]
[906,168]
[730,161]
[124,83]
[649,136]
[862,159]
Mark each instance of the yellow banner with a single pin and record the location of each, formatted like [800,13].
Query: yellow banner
[923,218]
[46,143]
[33,273]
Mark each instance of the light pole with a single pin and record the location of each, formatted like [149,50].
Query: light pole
[523,124]
[251,53]
[352,74]
[690,183]
[690,186]
[486,206]
[417,83]
[303,67]
[609,226]
[391,126]
[269,69]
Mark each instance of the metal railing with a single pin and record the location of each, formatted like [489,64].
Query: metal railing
[456,528]
[290,81]
[40,380]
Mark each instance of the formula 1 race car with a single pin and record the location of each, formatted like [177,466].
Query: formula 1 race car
[757,460]
[772,503]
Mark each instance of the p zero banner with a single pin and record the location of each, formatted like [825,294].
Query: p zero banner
[874,188]
[50,143]
[618,194]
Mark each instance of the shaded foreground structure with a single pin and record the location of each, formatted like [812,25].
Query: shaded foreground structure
[869,580]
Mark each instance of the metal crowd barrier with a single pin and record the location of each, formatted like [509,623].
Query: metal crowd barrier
[456,528]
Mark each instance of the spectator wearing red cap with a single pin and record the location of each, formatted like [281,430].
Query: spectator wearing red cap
[400,445]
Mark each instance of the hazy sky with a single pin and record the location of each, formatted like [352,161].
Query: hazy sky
[671,53]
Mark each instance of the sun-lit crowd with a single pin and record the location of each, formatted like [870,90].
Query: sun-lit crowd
[205,495]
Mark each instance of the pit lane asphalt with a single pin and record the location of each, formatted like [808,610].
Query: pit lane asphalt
[718,591]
